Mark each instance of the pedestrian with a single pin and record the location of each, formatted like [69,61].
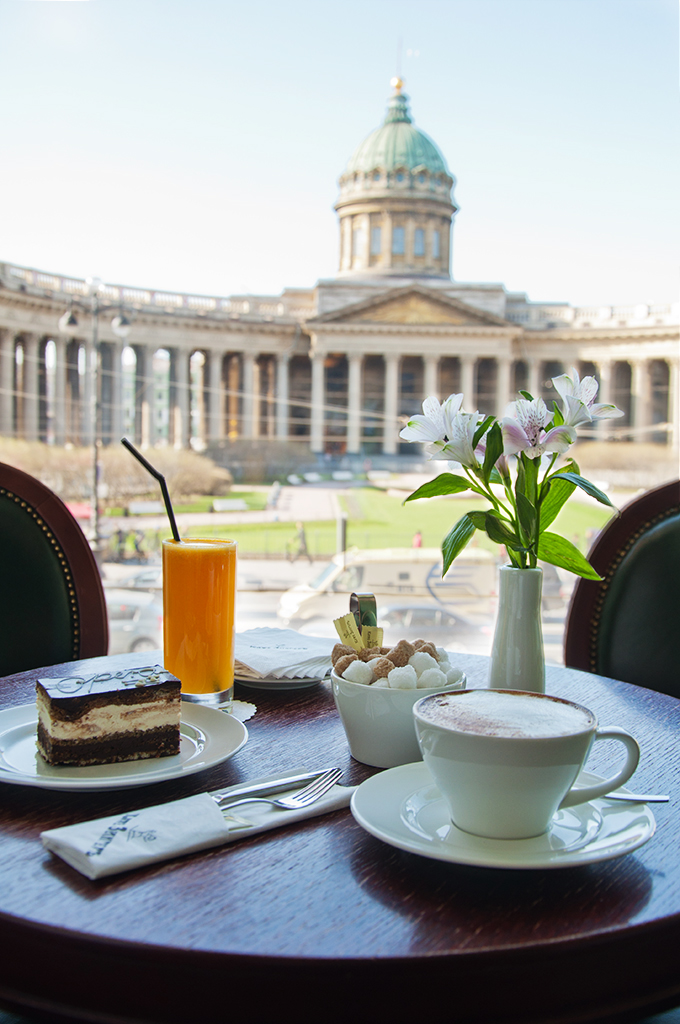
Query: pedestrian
[301,544]
[417,541]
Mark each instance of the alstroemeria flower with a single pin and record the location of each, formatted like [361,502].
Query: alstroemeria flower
[458,447]
[578,397]
[434,425]
[446,431]
[525,431]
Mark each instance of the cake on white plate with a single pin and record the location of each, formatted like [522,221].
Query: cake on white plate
[109,717]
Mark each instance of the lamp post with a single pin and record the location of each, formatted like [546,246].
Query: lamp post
[120,326]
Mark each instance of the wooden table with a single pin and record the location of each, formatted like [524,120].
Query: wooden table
[321,922]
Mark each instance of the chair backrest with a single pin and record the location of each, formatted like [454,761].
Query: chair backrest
[628,626]
[52,605]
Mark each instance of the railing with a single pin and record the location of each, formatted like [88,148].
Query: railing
[267,306]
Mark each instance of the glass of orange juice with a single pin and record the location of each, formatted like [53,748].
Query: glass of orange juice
[199,593]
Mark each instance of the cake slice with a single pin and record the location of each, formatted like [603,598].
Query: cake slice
[100,719]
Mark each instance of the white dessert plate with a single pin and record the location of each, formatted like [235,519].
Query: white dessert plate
[403,807]
[207,737]
[275,683]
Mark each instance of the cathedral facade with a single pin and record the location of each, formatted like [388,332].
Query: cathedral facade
[332,370]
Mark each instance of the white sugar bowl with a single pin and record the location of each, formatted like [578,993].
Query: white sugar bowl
[378,721]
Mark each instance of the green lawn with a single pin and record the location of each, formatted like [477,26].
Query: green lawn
[379,520]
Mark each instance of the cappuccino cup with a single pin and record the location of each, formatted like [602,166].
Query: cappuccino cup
[506,760]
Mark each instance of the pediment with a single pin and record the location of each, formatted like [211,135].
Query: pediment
[413,305]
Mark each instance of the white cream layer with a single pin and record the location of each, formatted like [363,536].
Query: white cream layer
[122,718]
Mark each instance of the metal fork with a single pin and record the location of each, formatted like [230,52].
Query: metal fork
[295,801]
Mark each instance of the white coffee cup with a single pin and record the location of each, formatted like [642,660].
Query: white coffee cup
[506,760]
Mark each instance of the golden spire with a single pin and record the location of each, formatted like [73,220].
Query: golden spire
[397,83]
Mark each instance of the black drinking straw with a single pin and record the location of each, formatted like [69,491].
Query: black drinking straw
[161,480]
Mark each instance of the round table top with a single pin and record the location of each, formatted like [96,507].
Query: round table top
[322,921]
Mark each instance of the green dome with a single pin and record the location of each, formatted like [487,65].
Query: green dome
[397,144]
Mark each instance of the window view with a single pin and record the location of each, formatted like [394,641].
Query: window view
[376,241]
[419,242]
[398,236]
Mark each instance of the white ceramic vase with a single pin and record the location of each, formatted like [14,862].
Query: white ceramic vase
[517,659]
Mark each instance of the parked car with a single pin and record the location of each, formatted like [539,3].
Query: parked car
[146,579]
[439,625]
[135,620]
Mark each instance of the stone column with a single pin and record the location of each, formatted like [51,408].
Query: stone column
[60,390]
[180,405]
[248,393]
[640,395]
[604,375]
[6,383]
[467,382]
[390,422]
[503,384]
[534,381]
[387,240]
[318,401]
[282,368]
[674,402]
[31,387]
[116,390]
[87,407]
[431,376]
[216,397]
[354,403]
[144,396]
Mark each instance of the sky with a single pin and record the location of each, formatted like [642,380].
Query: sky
[195,145]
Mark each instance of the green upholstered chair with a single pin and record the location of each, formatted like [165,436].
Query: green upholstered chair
[628,626]
[52,606]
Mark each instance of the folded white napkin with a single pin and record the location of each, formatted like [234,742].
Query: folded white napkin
[107,846]
[267,652]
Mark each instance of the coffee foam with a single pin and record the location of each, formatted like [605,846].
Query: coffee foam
[499,713]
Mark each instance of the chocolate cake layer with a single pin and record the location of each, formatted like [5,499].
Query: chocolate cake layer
[163,742]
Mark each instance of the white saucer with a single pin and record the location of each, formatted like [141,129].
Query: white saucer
[207,737]
[403,807]
[279,683]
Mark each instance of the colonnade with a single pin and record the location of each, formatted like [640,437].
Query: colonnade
[333,401]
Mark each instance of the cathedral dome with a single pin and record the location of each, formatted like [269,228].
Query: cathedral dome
[395,205]
[397,144]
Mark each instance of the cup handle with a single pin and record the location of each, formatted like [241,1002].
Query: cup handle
[582,794]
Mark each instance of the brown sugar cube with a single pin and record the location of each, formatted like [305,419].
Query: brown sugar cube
[418,644]
[384,651]
[382,668]
[400,654]
[339,651]
[342,663]
[430,649]
[369,653]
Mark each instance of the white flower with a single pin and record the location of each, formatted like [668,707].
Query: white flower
[578,397]
[434,424]
[446,431]
[525,430]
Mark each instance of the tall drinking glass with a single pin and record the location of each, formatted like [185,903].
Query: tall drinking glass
[199,593]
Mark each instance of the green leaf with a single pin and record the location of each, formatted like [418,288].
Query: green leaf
[478,519]
[520,482]
[527,515]
[525,394]
[445,483]
[558,418]
[585,485]
[456,540]
[481,430]
[495,477]
[500,532]
[558,493]
[494,450]
[559,551]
